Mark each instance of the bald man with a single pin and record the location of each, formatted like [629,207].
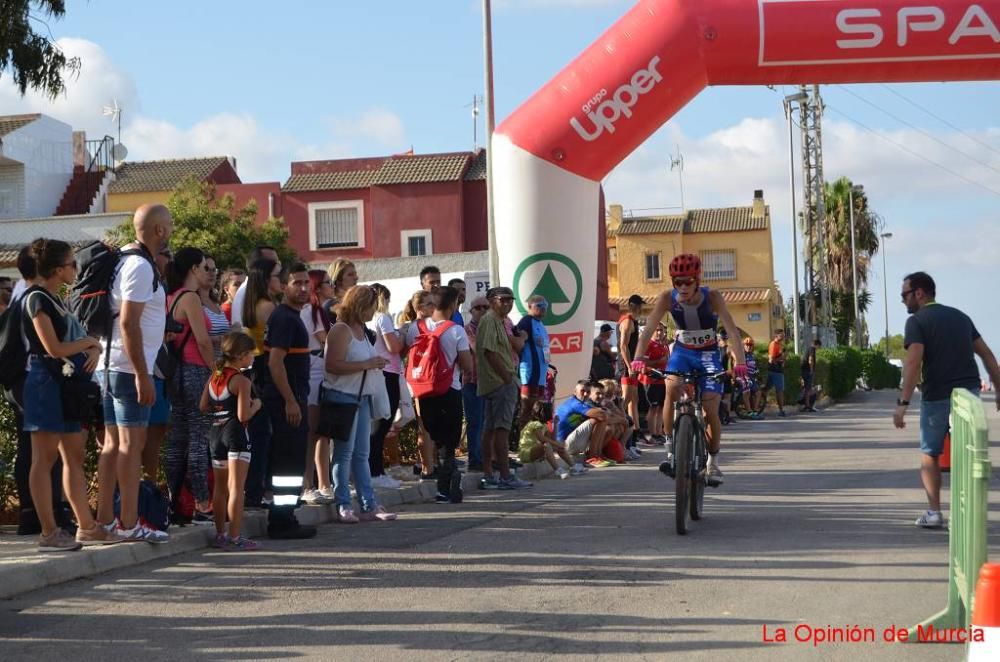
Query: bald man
[138,303]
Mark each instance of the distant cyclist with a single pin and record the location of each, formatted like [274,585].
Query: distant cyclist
[696,311]
[749,386]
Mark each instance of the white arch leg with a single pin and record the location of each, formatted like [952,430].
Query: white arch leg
[547,239]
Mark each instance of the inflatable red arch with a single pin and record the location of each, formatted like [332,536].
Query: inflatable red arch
[551,153]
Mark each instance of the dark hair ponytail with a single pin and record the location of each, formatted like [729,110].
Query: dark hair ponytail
[184,260]
[49,255]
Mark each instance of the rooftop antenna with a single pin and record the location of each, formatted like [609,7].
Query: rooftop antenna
[114,112]
[477,101]
[677,163]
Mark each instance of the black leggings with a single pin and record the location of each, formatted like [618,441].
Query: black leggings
[375,457]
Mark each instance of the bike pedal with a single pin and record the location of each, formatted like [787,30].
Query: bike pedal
[667,469]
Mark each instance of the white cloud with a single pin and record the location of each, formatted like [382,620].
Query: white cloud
[377,124]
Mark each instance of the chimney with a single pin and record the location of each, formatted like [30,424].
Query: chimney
[614,218]
[758,204]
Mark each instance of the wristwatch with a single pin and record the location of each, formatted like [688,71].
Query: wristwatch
[902,403]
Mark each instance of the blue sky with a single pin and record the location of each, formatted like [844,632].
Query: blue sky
[271,83]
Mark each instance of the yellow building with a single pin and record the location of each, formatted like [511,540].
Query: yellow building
[151,182]
[734,244]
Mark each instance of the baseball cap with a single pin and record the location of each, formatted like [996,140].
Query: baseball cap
[606,327]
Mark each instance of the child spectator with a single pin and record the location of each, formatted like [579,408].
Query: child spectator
[229,400]
[537,443]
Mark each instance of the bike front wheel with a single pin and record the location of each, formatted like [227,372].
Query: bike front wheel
[698,464]
[683,443]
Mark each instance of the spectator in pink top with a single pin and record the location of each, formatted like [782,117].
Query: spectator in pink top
[187,442]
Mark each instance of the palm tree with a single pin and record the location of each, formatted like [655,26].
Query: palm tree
[838,234]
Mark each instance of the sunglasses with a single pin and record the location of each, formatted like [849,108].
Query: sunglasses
[683,282]
[905,294]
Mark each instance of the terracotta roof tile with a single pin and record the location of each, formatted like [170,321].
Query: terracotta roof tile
[10,123]
[477,169]
[725,219]
[142,176]
[421,168]
[330,181]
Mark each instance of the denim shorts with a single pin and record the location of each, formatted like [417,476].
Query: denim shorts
[121,402]
[777,380]
[935,421]
[43,402]
[160,413]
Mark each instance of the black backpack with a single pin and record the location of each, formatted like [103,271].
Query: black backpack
[90,297]
[13,352]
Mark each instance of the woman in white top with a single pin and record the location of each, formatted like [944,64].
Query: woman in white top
[352,368]
[316,482]
[388,345]
[419,307]
[218,322]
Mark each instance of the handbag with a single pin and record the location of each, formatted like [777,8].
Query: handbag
[337,418]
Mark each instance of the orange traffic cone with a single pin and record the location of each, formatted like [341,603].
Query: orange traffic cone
[986,616]
[944,460]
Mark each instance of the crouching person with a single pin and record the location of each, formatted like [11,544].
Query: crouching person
[583,428]
[536,442]
[229,399]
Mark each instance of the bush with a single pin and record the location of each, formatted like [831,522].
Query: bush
[837,370]
[8,452]
[878,372]
[793,378]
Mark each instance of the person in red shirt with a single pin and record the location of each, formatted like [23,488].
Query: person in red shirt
[776,370]
[656,388]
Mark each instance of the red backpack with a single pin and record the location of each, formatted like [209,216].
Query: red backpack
[428,371]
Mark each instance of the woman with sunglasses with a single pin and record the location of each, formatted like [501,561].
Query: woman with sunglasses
[696,311]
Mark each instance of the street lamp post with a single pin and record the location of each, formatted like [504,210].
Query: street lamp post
[789,100]
[885,291]
[491,232]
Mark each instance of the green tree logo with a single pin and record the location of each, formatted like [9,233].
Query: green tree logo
[562,306]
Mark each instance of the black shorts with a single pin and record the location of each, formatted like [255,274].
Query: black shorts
[229,441]
[656,394]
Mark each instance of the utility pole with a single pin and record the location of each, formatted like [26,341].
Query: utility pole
[491,231]
[797,338]
[475,121]
[810,114]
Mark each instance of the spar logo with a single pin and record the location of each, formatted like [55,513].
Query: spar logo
[975,22]
[602,112]
[557,278]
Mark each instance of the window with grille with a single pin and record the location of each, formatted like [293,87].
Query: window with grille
[337,225]
[417,246]
[653,266]
[718,265]
[416,242]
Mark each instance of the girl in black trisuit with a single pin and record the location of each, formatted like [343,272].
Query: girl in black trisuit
[228,397]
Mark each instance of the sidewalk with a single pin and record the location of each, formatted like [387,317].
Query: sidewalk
[23,569]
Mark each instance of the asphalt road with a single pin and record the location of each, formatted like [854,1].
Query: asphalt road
[813,529]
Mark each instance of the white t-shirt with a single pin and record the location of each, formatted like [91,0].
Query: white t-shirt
[19,288]
[453,341]
[382,325]
[312,327]
[134,283]
[237,308]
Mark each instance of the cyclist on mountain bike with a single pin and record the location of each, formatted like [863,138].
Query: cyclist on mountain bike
[696,311]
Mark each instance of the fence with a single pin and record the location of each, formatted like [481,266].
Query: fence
[970,478]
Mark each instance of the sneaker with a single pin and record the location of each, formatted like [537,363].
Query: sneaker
[325,496]
[386,482]
[667,468]
[380,514]
[932,519]
[310,496]
[455,493]
[267,500]
[598,462]
[58,541]
[578,469]
[220,541]
[781,413]
[242,544]
[637,450]
[489,483]
[512,482]
[203,518]
[141,532]
[98,535]
[562,473]
[713,475]
[441,497]
[345,515]
[608,462]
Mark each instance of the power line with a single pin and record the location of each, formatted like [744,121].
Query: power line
[916,154]
[942,120]
[920,130]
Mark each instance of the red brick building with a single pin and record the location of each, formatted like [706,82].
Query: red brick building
[395,206]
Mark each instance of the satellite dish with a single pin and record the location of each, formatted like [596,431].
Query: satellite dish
[119,152]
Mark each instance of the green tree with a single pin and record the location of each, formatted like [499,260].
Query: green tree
[896,350]
[215,225]
[838,234]
[33,59]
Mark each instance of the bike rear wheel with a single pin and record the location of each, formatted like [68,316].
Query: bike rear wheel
[698,467]
[683,443]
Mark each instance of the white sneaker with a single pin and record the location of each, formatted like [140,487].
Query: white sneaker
[932,519]
[141,532]
[578,470]
[310,496]
[562,473]
[326,494]
[386,482]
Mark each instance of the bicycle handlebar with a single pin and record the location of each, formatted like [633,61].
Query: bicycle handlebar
[662,374]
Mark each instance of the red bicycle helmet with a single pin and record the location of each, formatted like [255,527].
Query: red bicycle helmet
[687,265]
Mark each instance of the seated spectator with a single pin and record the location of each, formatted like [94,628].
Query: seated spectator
[619,424]
[582,427]
[537,442]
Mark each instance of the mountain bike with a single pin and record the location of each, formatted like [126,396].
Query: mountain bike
[690,460]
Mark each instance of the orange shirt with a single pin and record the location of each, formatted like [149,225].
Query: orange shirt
[775,352]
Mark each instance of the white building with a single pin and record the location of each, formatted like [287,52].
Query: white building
[36,165]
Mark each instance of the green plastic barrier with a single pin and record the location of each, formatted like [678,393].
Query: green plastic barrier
[970,477]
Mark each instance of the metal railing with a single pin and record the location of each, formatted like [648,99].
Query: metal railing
[970,480]
[100,159]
